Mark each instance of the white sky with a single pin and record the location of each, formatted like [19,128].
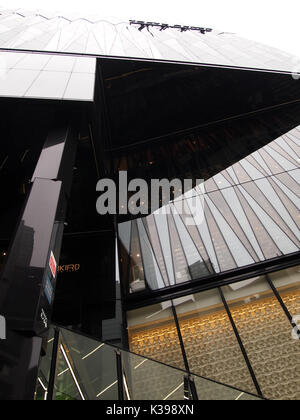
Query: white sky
[273,22]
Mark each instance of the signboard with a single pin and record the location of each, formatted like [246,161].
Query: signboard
[52,264]
[69,268]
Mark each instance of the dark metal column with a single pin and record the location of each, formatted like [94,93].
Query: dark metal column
[53,367]
[28,280]
[184,356]
[243,350]
[120,376]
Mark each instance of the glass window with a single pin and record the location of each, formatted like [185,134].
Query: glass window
[155,242]
[65,386]
[163,233]
[44,369]
[87,369]
[212,391]
[267,337]
[151,269]
[193,263]
[209,340]
[137,272]
[149,380]
[182,269]
[152,333]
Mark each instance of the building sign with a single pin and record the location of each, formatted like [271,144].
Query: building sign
[44,318]
[69,268]
[52,264]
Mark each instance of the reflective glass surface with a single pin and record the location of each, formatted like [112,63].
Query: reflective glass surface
[287,282]
[171,95]
[138,378]
[209,340]
[47,31]
[245,214]
[208,391]
[149,380]
[44,369]
[267,337]
[88,368]
[152,333]
[65,387]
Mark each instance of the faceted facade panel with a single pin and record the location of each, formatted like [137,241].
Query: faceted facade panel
[250,214]
[47,76]
[96,35]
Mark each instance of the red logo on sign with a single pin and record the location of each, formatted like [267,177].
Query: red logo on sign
[52,264]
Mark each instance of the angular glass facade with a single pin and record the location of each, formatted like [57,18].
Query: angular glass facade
[71,33]
[200,294]
[247,213]
[47,76]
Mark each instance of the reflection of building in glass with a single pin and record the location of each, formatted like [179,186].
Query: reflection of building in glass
[200,269]
[251,214]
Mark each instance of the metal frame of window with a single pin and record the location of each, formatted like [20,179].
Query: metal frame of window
[146,298]
[239,340]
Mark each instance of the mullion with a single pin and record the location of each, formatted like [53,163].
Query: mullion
[243,350]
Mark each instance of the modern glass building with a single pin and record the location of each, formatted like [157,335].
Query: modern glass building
[198,298]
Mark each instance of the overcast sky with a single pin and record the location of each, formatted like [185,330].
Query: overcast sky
[272,22]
